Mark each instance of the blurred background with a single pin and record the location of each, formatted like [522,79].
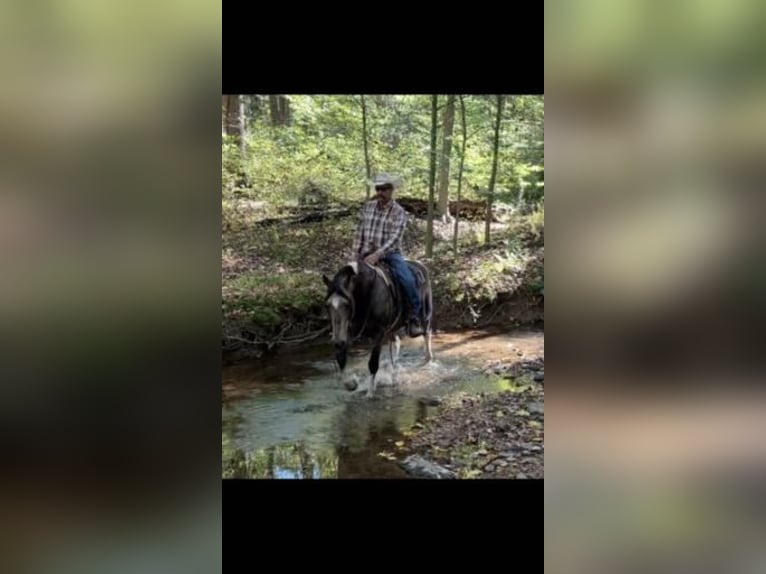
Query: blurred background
[655,134]
[109,248]
[109,242]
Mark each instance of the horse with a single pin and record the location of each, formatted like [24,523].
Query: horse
[363,300]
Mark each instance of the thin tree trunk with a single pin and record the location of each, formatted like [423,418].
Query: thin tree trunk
[460,174]
[284,111]
[279,110]
[233,115]
[235,120]
[366,151]
[449,122]
[491,190]
[224,112]
[241,124]
[431,180]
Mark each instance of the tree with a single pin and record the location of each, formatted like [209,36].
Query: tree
[449,121]
[496,146]
[431,180]
[234,122]
[366,150]
[279,107]
[460,173]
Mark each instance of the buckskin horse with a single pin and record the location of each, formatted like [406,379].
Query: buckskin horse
[366,301]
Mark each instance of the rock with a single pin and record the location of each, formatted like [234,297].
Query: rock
[418,466]
[521,475]
[489,468]
[430,401]
[536,407]
[309,408]
[539,376]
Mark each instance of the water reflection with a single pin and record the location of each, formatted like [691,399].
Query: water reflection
[287,418]
[361,433]
[283,461]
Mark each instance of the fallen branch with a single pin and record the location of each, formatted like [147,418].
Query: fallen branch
[279,340]
[253,342]
[308,337]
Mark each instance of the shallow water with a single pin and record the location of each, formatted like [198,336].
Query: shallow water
[287,415]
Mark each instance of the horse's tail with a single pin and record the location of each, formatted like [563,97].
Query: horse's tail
[427,314]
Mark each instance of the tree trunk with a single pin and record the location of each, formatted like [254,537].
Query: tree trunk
[460,174]
[284,111]
[274,109]
[279,109]
[235,119]
[491,190]
[449,121]
[431,180]
[224,112]
[366,151]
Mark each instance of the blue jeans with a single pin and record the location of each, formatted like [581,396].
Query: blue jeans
[406,279]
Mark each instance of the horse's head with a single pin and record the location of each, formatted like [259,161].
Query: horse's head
[342,309]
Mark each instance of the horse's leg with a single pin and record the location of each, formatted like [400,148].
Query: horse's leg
[393,349]
[429,352]
[428,306]
[373,365]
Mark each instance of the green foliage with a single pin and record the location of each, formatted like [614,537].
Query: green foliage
[231,165]
[324,145]
[263,299]
[271,274]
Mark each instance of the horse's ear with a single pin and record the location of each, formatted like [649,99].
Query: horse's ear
[326,280]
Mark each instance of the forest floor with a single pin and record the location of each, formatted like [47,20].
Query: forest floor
[485,435]
[273,261]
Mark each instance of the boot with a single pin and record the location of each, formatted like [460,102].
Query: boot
[415,327]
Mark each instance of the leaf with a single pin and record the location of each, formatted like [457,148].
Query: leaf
[534,424]
[386,455]
[399,443]
[473,473]
[499,414]
[522,413]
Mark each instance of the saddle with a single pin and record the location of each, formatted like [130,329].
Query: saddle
[385,271]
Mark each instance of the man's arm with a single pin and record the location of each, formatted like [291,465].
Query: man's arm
[399,224]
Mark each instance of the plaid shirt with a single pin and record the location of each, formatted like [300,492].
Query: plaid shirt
[380,230]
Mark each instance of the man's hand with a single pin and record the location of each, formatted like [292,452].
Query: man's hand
[372,258]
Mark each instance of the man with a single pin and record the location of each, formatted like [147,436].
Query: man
[379,237]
